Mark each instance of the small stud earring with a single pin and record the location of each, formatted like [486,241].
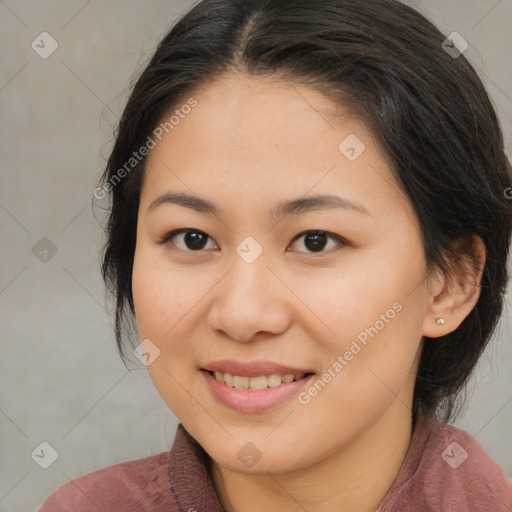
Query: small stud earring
[440,321]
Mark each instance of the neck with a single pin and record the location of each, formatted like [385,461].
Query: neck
[355,478]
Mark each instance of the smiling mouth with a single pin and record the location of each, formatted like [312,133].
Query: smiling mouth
[258,382]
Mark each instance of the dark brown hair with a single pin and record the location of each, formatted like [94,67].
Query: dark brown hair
[384,61]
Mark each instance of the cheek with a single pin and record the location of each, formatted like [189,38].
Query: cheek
[169,305]
[163,302]
[161,297]
[369,326]
[149,295]
[368,292]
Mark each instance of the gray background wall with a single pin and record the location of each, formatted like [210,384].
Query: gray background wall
[61,379]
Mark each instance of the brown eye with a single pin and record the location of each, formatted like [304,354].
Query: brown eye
[187,239]
[316,241]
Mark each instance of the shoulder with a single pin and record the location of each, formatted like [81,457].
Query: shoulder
[447,469]
[461,458]
[141,484]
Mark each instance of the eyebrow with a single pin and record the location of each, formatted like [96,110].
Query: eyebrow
[293,207]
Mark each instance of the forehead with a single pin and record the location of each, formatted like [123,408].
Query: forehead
[253,138]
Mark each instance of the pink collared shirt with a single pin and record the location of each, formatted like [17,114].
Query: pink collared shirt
[445,470]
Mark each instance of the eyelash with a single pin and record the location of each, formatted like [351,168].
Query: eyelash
[330,236]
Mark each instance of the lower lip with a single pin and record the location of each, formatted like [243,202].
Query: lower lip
[259,400]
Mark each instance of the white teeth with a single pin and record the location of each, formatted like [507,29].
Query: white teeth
[240,382]
[228,379]
[273,380]
[260,382]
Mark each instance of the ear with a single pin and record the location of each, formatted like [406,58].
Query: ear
[455,294]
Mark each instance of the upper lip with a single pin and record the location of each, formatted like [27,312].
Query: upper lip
[253,368]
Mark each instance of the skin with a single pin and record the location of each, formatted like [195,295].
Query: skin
[247,145]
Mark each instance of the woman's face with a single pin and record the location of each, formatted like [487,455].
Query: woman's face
[299,255]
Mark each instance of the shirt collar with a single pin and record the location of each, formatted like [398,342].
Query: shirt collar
[189,475]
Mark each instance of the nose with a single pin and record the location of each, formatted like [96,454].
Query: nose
[250,301]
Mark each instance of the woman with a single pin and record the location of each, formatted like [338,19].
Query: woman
[310,228]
